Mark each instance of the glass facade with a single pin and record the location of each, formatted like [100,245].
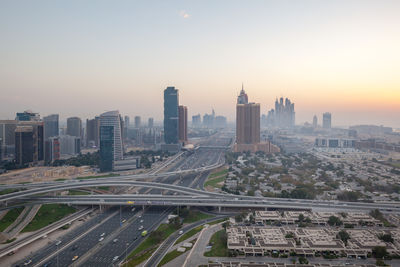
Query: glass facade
[106,148]
[171,103]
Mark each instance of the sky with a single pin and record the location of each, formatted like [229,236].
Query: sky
[82,58]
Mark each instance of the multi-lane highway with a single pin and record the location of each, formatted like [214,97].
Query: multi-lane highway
[219,200]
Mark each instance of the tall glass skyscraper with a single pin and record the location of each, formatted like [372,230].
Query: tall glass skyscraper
[111,143]
[171,103]
[51,126]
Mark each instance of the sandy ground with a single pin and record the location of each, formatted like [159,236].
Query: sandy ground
[24,252]
[44,174]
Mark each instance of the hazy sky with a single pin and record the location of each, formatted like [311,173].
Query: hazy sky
[81,58]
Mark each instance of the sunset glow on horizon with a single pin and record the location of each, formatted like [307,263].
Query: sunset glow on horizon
[336,56]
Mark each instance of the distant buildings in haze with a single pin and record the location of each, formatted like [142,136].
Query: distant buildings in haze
[327,120]
[283,116]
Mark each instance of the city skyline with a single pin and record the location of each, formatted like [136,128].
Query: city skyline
[332,57]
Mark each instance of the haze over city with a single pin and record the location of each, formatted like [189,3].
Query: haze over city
[81,58]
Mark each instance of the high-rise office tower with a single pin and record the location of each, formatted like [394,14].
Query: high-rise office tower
[52,149]
[70,145]
[24,145]
[74,126]
[93,132]
[247,120]
[196,120]
[248,123]
[327,120]
[7,136]
[171,103]
[27,115]
[182,112]
[51,126]
[111,143]
[220,121]
[283,115]
[127,121]
[150,123]
[208,119]
[138,120]
[38,138]
[315,121]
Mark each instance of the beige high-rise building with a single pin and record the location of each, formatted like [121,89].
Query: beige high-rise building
[248,127]
[248,123]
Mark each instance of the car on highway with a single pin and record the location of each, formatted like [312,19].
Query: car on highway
[58,242]
[180,232]
[101,239]
[141,221]
[27,262]
[103,234]
[115,240]
[115,258]
[140,227]
[144,233]
[75,258]
[130,202]
[124,220]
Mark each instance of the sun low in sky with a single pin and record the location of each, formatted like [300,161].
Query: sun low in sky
[81,58]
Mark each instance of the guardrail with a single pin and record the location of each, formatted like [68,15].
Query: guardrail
[44,231]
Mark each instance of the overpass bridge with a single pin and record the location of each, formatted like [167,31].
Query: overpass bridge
[219,201]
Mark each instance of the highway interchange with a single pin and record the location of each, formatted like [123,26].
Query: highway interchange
[175,186]
[84,241]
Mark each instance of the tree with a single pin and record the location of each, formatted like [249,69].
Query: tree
[344,236]
[379,252]
[301,217]
[334,221]
[386,238]
[238,218]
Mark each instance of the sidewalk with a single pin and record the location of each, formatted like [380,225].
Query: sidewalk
[196,255]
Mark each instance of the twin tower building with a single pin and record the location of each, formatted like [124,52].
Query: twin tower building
[248,127]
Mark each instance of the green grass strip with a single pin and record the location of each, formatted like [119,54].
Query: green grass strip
[48,214]
[9,218]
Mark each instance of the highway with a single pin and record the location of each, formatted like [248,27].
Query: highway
[220,200]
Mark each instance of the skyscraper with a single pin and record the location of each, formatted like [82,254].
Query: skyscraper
[27,115]
[182,111]
[74,126]
[327,120]
[111,143]
[127,121]
[150,123]
[283,116]
[248,123]
[24,145]
[51,126]
[315,121]
[93,132]
[171,103]
[7,136]
[248,127]
[138,120]
[196,120]
[52,149]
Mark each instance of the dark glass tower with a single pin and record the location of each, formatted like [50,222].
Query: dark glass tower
[106,148]
[171,103]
